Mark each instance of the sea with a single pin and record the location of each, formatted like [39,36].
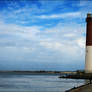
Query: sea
[36,83]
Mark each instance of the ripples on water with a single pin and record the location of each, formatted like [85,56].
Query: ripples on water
[36,83]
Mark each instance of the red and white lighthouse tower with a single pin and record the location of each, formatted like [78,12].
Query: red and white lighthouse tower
[88,62]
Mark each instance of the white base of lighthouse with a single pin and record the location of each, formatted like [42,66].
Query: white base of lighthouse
[88,62]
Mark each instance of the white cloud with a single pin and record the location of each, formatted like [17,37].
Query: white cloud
[67,50]
[63,41]
[66,39]
[52,45]
[70,35]
[63,15]
[20,31]
[81,42]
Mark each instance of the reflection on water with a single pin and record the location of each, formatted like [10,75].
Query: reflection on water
[36,83]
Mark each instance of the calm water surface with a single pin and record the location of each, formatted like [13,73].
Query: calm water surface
[36,83]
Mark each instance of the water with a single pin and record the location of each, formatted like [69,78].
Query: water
[36,83]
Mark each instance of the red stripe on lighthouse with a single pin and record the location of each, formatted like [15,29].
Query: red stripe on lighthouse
[89,30]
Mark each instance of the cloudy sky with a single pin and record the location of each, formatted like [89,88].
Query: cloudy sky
[43,34]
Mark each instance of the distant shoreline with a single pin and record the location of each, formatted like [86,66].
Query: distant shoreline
[47,72]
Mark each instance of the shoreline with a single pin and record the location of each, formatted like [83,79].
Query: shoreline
[77,89]
[39,72]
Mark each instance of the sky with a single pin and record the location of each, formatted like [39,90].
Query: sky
[43,34]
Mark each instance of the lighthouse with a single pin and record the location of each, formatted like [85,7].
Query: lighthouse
[88,58]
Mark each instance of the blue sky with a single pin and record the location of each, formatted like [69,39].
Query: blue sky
[43,34]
